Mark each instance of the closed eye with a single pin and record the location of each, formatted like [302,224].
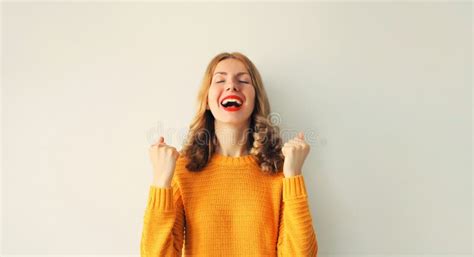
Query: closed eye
[239,81]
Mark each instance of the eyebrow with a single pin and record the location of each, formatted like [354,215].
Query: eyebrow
[225,73]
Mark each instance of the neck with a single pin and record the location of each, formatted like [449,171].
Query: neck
[231,138]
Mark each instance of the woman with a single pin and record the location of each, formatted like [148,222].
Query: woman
[233,190]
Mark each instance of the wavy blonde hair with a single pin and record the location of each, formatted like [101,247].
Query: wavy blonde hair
[263,142]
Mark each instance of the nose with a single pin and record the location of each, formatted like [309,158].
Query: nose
[231,86]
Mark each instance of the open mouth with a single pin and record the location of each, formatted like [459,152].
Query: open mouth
[232,103]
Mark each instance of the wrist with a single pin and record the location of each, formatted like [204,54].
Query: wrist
[159,182]
[291,173]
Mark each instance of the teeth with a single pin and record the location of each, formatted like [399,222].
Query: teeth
[231,100]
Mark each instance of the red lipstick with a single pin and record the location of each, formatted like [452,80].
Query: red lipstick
[232,103]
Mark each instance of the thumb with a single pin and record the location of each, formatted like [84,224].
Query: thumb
[162,140]
[301,135]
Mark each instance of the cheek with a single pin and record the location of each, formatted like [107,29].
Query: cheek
[213,96]
[250,95]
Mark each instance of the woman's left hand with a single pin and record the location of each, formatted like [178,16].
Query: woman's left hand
[295,152]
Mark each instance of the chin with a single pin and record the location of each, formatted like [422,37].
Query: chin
[233,120]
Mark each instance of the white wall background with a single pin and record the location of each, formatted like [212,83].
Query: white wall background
[386,87]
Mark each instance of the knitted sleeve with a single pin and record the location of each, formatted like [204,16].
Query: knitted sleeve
[164,223]
[296,236]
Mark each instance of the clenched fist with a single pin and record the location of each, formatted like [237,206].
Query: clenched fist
[295,152]
[163,159]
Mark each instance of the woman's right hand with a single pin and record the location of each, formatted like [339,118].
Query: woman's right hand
[163,159]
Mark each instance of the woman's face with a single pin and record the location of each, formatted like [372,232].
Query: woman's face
[231,96]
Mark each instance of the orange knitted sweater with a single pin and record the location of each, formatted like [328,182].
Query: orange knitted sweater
[229,209]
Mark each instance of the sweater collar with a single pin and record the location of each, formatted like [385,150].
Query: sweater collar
[244,159]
